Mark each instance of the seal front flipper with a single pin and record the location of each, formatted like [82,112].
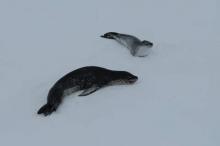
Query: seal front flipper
[47,109]
[89,91]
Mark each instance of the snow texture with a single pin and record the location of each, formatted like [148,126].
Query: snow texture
[174,103]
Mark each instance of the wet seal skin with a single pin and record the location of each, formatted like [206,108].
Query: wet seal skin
[89,79]
[136,47]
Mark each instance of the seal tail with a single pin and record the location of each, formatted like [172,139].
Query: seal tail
[147,43]
[47,109]
[110,35]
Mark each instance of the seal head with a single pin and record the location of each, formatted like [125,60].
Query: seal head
[123,77]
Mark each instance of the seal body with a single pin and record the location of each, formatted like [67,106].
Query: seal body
[135,46]
[89,79]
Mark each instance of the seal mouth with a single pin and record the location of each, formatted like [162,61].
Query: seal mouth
[124,82]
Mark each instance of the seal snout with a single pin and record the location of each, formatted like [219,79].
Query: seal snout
[133,79]
[107,36]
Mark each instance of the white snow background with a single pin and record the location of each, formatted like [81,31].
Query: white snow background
[174,103]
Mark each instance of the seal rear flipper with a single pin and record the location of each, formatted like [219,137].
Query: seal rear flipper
[89,91]
[110,35]
[47,109]
[147,43]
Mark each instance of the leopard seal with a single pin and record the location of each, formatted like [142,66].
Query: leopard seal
[136,47]
[89,79]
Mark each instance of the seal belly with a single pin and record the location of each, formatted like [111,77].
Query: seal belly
[69,91]
[126,42]
[142,51]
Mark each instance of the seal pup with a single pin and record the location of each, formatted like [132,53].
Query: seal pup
[89,79]
[135,46]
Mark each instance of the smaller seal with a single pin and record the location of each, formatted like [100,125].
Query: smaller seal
[135,46]
[89,79]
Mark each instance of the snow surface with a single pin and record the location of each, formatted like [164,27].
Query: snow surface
[174,103]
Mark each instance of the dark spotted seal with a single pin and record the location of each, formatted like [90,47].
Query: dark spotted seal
[136,46]
[89,79]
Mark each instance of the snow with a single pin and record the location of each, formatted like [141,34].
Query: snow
[174,103]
